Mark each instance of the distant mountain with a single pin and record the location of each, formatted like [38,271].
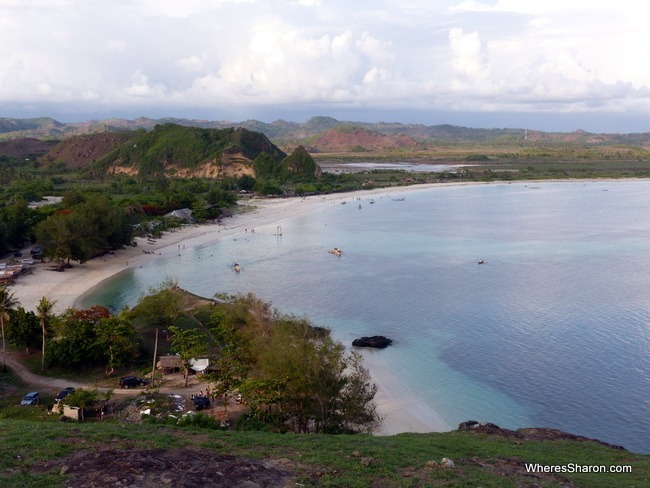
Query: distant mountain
[291,134]
[359,139]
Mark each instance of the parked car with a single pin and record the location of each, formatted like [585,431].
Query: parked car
[200,402]
[31,398]
[63,393]
[36,250]
[27,261]
[132,381]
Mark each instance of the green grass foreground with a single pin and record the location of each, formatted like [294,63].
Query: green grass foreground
[323,460]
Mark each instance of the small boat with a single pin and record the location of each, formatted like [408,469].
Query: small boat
[372,201]
[398,199]
[236,267]
[336,251]
[481,261]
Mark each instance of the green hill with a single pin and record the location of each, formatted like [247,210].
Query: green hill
[182,147]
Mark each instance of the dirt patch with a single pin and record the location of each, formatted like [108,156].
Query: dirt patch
[178,468]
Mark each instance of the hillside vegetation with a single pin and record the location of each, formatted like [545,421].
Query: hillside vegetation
[173,146]
[45,453]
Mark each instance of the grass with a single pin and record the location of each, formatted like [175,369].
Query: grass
[321,460]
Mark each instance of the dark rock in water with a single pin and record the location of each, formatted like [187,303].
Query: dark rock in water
[379,342]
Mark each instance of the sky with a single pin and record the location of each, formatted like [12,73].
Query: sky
[541,64]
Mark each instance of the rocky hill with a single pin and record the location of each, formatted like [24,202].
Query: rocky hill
[184,151]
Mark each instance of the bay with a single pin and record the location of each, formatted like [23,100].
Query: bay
[552,331]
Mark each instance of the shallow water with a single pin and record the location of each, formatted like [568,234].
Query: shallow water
[553,330]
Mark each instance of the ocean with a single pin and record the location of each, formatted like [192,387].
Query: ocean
[553,330]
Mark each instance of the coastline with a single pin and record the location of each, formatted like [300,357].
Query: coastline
[401,408]
[68,287]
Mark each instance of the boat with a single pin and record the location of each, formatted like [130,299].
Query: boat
[481,261]
[236,267]
[336,251]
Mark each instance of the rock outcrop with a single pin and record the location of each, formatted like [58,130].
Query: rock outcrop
[537,434]
[379,342]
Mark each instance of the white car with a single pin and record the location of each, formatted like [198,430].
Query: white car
[27,261]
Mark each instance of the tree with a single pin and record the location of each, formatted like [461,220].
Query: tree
[82,399]
[290,372]
[7,303]
[115,336]
[300,163]
[319,387]
[18,218]
[24,330]
[228,373]
[58,236]
[163,305]
[44,313]
[84,230]
[188,344]
[75,342]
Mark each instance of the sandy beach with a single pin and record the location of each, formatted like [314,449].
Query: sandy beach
[401,409]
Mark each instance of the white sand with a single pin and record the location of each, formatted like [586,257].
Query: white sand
[401,408]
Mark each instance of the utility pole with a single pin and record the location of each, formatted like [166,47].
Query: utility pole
[153,368]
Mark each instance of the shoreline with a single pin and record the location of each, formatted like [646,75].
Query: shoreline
[401,408]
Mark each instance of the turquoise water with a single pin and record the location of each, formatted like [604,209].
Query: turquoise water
[553,330]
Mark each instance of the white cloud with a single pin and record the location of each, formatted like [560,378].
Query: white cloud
[193,63]
[469,55]
[141,87]
[115,45]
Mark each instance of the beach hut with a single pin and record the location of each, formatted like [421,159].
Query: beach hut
[169,364]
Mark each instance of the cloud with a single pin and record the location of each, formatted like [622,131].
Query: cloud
[141,87]
[412,54]
[193,63]
[115,45]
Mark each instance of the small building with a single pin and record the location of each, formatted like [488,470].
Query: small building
[169,364]
[184,214]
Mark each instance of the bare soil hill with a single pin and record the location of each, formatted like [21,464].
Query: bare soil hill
[355,139]
[80,151]
[24,147]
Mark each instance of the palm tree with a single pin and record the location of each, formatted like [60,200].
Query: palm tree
[7,303]
[44,312]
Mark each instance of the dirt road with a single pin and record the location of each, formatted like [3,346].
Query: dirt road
[174,385]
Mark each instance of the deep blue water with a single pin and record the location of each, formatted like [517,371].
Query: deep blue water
[553,330]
